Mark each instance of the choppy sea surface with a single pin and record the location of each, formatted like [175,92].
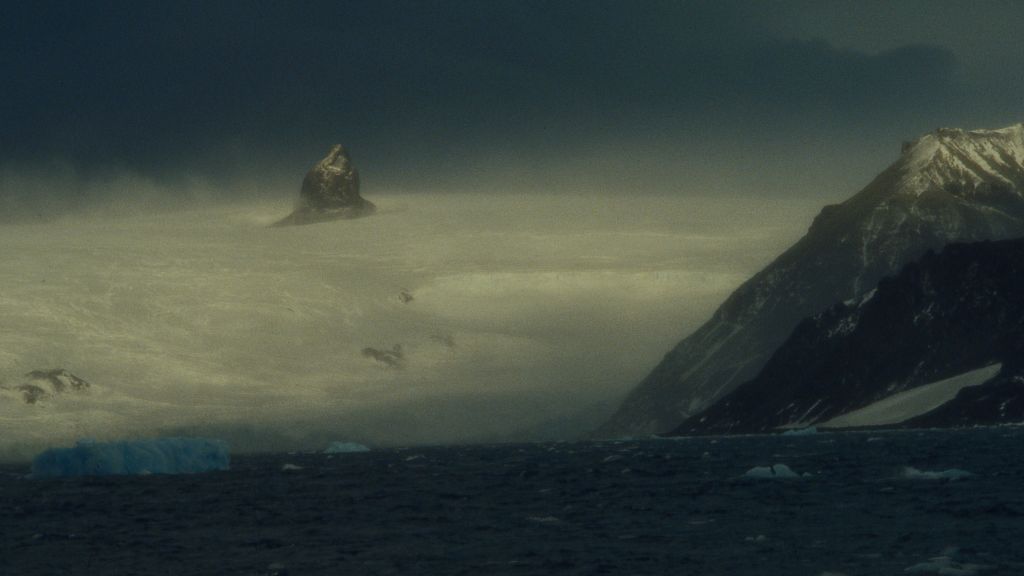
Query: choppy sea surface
[864,503]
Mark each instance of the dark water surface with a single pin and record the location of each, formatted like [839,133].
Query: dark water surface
[632,507]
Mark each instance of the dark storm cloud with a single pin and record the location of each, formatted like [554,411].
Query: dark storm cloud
[212,87]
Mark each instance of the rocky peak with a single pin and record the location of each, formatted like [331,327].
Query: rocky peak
[337,160]
[330,191]
[964,162]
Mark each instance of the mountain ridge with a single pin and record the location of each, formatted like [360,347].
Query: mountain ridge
[949,185]
[951,313]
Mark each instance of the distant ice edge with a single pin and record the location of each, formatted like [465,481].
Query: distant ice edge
[346,448]
[133,457]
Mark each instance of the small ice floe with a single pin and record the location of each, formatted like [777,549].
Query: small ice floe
[756,539]
[544,519]
[952,474]
[777,471]
[277,569]
[290,467]
[138,457]
[345,448]
[808,431]
[946,566]
[414,457]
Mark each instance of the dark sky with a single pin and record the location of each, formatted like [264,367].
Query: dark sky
[631,96]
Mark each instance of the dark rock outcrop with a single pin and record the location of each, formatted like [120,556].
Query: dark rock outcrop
[41,385]
[947,186]
[394,358]
[947,315]
[330,191]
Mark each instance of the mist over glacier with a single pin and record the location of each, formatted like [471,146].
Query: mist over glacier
[531,315]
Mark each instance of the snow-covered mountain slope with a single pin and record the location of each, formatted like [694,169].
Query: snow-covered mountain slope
[952,321]
[950,185]
[982,160]
[204,322]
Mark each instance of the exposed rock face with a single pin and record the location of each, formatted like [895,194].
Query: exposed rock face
[330,191]
[393,358]
[41,385]
[948,315]
[998,401]
[948,186]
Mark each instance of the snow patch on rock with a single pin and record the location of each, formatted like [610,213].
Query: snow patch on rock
[915,402]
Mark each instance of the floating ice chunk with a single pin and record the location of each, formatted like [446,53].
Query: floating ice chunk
[345,448]
[776,471]
[946,566]
[155,456]
[290,467]
[951,474]
[544,519]
[801,431]
[277,569]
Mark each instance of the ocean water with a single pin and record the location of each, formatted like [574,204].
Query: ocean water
[626,507]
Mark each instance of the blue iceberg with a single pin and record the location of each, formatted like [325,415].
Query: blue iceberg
[155,456]
[345,448]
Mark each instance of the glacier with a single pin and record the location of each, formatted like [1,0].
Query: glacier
[150,456]
[270,322]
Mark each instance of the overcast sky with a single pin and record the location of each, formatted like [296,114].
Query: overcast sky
[797,97]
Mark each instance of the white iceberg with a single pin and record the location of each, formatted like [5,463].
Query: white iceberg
[345,448]
[776,471]
[154,456]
